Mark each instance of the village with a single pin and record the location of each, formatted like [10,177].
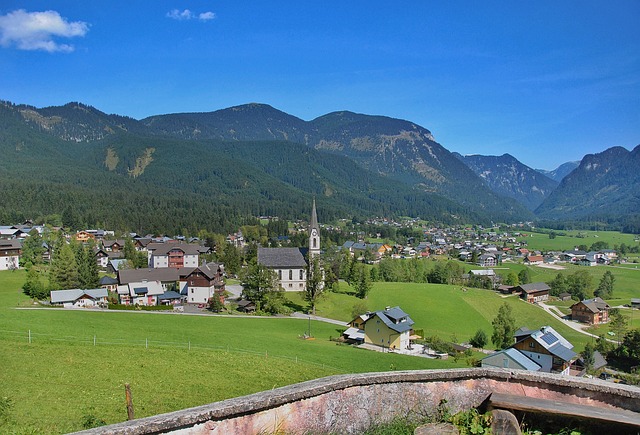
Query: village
[178,276]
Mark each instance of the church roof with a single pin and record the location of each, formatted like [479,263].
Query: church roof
[281,257]
[314,218]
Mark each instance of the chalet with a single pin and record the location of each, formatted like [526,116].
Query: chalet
[547,348]
[174,255]
[108,283]
[588,260]
[236,239]
[202,283]
[564,296]
[113,245]
[390,328]
[84,236]
[79,298]
[116,264]
[593,311]
[10,251]
[535,292]
[140,293]
[487,260]
[167,276]
[102,257]
[533,259]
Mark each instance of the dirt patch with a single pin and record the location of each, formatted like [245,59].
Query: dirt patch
[551,266]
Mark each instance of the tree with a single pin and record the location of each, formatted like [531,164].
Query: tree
[32,249]
[587,357]
[618,323]
[631,344]
[512,279]
[363,282]
[479,339]
[259,281]
[578,284]
[231,259]
[315,284]
[88,276]
[215,303]
[33,286]
[558,285]
[605,288]
[359,308]
[524,276]
[64,269]
[504,325]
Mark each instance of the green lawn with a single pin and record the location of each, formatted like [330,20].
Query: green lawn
[542,242]
[59,379]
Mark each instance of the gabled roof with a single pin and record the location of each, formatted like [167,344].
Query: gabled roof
[281,257]
[163,274]
[518,357]
[164,248]
[552,341]
[394,318]
[72,295]
[594,305]
[107,280]
[534,287]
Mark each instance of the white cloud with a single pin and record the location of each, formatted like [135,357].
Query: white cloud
[206,16]
[37,30]
[186,14]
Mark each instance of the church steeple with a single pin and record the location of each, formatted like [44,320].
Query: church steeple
[314,232]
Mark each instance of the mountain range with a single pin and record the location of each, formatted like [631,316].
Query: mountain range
[211,170]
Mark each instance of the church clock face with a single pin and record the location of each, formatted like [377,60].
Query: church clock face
[314,232]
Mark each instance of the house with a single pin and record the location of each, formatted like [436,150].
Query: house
[116,264]
[102,257]
[10,252]
[510,358]
[535,292]
[290,264]
[79,298]
[564,296]
[111,284]
[202,283]
[246,306]
[588,260]
[173,255]
[487,260]
[390,328]
[140,293]
[84,236]
[167,276]
[170,298]
[593,311]
[543,350]
[533,259]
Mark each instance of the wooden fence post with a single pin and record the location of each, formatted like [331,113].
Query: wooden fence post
[129,399]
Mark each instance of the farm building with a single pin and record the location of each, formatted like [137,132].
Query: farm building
[79,298]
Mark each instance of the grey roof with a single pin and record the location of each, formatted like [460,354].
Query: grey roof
[555,343]
[314,218]
[72,295]
[163,274]
[164,248]
[107,280]
[518,357]
[595,305]
[395,319]
[168,296]
[281,257]
[534,287]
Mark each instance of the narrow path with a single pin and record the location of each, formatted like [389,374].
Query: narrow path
[554,311]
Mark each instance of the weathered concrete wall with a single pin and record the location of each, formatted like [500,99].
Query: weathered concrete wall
[350,403]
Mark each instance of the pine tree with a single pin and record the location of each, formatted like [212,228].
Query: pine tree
[64,269]
[504,325]
[605,288]
[363,282]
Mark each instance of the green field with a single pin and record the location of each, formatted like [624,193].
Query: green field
[62,379]
[540,240]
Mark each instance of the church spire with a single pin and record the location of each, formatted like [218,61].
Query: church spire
[314,232]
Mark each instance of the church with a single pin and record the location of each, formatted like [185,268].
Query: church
[290,264]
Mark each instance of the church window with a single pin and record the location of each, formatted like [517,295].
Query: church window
[301,273]
[315,241]
[290,274]
[280,275]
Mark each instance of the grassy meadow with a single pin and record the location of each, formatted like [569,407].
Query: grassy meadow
[60,380]
[540,240]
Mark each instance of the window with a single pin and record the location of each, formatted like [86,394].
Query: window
[314,242]
[301,273]
[505,363]
[290,274]
[280,275]
[532,344]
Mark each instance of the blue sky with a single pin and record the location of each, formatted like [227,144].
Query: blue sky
[545,81]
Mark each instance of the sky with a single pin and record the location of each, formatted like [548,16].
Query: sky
[545,81]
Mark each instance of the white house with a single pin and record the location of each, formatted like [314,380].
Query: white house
[174,255]
[79,298]
[140,293]
[10,251]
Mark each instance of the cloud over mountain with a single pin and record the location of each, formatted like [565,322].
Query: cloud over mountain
[38,30]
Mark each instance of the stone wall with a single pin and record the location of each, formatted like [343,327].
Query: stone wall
[350,403]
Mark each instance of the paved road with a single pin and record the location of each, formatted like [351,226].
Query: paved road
[299,315]
[573,325]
